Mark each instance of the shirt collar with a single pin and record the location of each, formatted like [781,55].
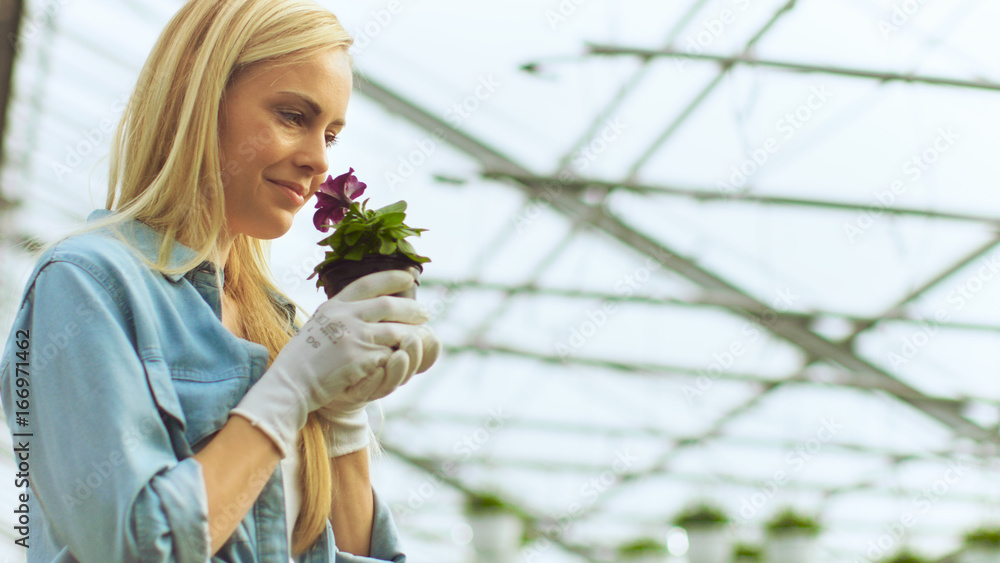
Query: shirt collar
[147,241]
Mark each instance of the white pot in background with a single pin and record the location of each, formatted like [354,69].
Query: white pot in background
[790,547]
[978,554]
[496,536]
[708,544]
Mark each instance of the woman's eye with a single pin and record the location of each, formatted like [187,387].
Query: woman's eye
[296,118]
[293,117]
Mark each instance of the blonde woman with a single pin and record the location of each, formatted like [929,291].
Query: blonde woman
[173,406]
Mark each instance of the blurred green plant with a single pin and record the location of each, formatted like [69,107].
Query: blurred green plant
[642,546]
[983,536]
[907,556]
[701,514]
[485,502]
[788,521]
[744,552]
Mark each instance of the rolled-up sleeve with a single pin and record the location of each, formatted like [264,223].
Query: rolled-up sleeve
[385,544]
[102,465]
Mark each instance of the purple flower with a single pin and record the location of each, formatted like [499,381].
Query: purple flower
[334,199]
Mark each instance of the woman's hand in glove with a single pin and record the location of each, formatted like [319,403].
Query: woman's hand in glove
[344,350]
[344,421]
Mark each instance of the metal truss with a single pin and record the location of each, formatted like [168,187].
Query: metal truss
[709,299]
[815,346]
[563,196]
[577,186]
[729,62]
[841,378]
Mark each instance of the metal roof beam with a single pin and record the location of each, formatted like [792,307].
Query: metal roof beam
[623,92]
[730,61]
[590,185]
[843,378]
[633,170]
[703,299]
[929,284]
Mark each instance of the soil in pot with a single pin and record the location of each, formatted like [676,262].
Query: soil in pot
[337,275]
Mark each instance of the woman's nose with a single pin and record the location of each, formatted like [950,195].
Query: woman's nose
[312,153]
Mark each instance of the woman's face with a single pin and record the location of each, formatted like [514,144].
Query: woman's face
[275,124]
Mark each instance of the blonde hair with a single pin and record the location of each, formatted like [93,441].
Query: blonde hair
[166,171]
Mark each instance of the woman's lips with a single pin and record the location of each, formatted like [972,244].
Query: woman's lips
[296,193]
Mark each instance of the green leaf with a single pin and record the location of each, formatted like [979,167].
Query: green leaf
[388,247]
[406,247]
[393,219]
[398,207]
[352,238]
[417,258]
[356,253]
[337,238]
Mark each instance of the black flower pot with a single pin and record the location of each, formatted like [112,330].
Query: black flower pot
[337,275]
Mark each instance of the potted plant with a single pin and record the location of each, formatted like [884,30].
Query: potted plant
[643,550]
[746,553]
[982,545]
[907,556]
[705,525]
[791,537]
[496,529]
[364,240]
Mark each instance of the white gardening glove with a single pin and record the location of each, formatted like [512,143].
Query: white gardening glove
[343,419]
[333,354]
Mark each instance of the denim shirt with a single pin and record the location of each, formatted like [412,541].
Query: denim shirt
[123,374]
